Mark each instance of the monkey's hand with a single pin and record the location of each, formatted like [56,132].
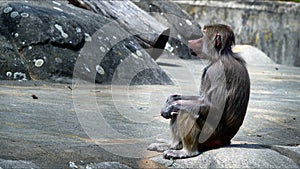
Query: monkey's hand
[166,112]
[173,98]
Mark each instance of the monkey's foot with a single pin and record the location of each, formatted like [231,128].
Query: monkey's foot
[159,147]
[176,146]
[179,154]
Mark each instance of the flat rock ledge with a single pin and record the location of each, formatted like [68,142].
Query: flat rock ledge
[240,156]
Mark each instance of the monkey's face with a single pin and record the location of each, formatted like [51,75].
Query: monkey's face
[203,46]
[198,47]
[195,46]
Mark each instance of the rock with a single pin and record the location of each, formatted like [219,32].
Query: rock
[42,41]
[12,67]
[118,59]
[102,165]
[150,34]
[7,164]
[253,55]
[112,165]
[183,27]
[234,156]
[46,38]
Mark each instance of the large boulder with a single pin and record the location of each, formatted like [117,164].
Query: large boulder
[151,35]
[182,26]
[252,55]
[42,40]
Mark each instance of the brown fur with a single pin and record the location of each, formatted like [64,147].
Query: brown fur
[211,119]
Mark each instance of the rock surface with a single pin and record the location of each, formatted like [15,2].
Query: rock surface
[151,34]
[252,55]
[103,165]
[42,40]
[5,164]
[183,27]
[236,156]
[88,124]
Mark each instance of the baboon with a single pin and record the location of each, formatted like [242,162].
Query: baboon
[212,118]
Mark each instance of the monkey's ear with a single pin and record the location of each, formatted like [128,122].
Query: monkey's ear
[218,42]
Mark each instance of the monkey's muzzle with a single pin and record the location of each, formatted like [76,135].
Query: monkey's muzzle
[192,52]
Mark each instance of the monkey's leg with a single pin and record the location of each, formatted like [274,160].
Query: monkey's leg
[189,133]
[176,139]
[166,145]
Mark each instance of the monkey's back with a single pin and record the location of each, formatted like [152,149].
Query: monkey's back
[237,90]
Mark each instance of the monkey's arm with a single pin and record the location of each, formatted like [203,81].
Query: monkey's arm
[197,107]
[176,102]
[175,97]
[212,96]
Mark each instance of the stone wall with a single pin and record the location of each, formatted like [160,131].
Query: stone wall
[271,26]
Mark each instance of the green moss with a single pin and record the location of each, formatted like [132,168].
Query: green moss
[257,39]
[268,36]
[290,0]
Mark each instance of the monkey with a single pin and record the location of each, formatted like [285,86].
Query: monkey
[210,119]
